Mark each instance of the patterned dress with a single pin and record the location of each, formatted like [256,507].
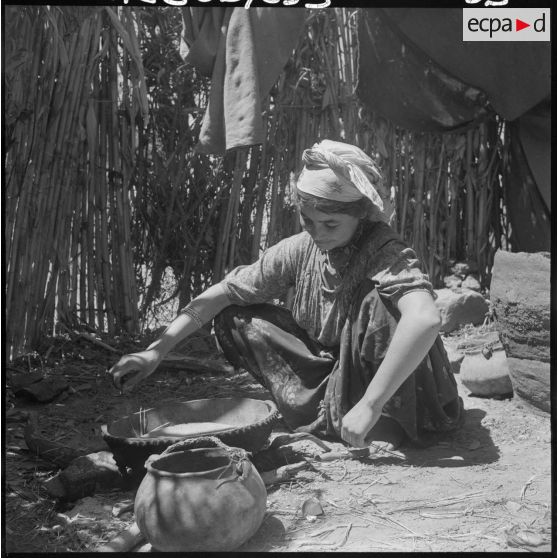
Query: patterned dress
[318,359]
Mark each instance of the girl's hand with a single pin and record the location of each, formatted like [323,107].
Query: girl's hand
[131,369]
[358,422]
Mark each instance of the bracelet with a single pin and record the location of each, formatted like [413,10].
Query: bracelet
[192,312]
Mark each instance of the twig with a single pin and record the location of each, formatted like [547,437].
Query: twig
[370,485]
[323,531]
[527,484]
[157,428]
[383,516]
[284,439]
[282,473]
[316,543]
[92,339]
[447,515]
[345,538]
[344,472]
[448,501]
[383,543]
[397,454]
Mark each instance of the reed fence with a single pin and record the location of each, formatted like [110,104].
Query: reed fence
[106,199]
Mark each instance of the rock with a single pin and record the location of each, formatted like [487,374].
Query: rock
[462,269]
[84,476]
[460,307]
[520,296]
[452,281]
[471,283]
[531,381]
[45,390]
[486,376]
[22,380]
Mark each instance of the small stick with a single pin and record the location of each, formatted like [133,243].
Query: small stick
[344,472]
[157,428]
[345,538]
[334,456]
[527,484]
[397,454]
[369,485]
[284,439]
[282,473]
[92,339]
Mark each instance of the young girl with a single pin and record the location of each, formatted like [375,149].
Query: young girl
[359,355]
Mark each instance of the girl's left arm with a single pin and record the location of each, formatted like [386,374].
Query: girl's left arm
[413,337]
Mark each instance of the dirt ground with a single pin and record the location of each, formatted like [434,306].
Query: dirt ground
[487,487]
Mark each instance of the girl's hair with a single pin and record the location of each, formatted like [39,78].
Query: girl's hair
[363,208]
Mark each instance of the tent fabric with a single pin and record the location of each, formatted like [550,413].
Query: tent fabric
[407,87]
[244,51]
[534,134]
[415,70]
[408,53]
[528,213]
[514,75]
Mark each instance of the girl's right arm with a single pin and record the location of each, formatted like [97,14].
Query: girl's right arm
[141,365]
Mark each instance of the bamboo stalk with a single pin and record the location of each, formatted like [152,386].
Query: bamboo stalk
[76,247]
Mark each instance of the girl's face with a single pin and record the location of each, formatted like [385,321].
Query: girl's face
[328,230]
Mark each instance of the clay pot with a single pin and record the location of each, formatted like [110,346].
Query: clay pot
[485,372]
[206,499]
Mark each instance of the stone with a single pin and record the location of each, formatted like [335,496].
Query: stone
[460,307]
[452,281]
[520,297]
[22,380]
[487,377]
[84,475]
[531,381]
[45,390]
[462,269]
[471,283]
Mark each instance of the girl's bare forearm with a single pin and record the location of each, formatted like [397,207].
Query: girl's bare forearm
[411,342]
[206,306]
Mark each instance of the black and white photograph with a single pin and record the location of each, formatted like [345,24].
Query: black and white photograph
[279,276]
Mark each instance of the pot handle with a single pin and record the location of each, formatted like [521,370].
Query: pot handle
[243,469]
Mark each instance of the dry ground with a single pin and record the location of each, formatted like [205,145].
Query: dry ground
[487,487]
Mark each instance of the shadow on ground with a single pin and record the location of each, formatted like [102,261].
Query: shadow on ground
[470,445]
[269,536]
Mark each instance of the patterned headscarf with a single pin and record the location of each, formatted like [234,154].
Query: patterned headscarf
[342,172]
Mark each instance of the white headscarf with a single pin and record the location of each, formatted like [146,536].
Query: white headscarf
[343,172]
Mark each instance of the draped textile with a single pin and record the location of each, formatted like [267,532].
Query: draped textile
[314,389]
[243,51]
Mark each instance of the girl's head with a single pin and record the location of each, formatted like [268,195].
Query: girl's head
[331,224]
[335,191]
